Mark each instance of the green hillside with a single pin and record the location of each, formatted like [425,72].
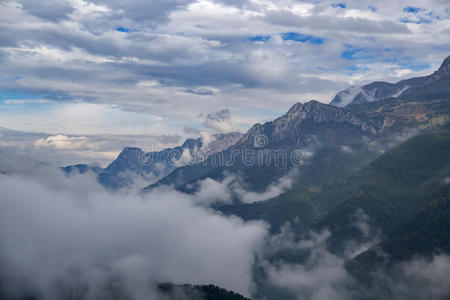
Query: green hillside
[404,192]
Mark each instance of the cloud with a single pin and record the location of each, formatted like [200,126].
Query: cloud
[64,142]
[68,234]
[231,188]
[48,10]
[145,12]
[191,130]
[66,149]
[219,121]
[424,278]
[273,190]
[321,276]
[26,101]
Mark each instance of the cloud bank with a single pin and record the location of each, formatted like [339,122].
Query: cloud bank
[68,235]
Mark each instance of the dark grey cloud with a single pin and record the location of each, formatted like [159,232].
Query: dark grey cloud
[48,10]
[219,121]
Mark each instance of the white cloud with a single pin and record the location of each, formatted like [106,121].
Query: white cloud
[60,141]
[64,149]
[93,236]
[180,59]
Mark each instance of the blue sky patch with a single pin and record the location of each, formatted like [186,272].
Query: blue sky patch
[415,21]
[349,53]
[303,38]
[414,66]
[372,8]
[125,29]
[352,53]
[5,95]
[260,38]
[336,5]
[412,10]
[417,15]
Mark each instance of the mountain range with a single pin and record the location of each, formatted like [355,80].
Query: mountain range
[380,151]
[377,113]
[133,163]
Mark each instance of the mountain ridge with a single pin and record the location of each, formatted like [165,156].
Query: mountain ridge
[407,88]
[133,162]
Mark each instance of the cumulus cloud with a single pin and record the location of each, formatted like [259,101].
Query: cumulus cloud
[68,235]
[48,10]
[60,141]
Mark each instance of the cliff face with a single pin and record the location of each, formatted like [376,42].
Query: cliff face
[296,125]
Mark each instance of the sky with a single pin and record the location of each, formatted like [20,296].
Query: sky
[155,72]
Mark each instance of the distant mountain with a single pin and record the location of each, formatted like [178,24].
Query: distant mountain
[430,87]
[134,163]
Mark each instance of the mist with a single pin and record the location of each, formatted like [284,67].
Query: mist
[321,274]
[69,231]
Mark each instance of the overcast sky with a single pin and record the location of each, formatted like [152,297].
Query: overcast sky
[153,68]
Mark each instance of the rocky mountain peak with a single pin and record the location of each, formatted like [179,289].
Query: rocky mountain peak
[445,66]
[307,106]
[288,128]
[129,152]
[315,111]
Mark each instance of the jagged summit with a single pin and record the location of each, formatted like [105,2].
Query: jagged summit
[300,105]
[151,166]
[129,150]
[317,112]
[289,127]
